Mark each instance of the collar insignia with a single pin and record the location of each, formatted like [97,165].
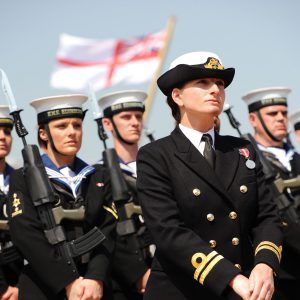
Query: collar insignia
[17,205]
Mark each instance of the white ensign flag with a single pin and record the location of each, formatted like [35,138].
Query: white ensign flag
[102,63]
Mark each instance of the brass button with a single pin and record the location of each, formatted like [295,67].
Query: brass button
[235,241]
[233,215]
[196,192]
[210,217]
[238,266]
[212,243]
[243,189]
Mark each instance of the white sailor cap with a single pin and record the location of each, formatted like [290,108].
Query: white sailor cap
[191,66]
[259,98]
[6,120]
[57,107]
[113,103]
[294,119]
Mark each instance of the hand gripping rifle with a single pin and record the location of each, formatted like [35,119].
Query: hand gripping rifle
[44,198]
[120,192]
[279,187]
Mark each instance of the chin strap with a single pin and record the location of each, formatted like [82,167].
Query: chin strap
[266,128]
[51,140]
[118,133]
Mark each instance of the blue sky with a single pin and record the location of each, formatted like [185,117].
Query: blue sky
[259,38]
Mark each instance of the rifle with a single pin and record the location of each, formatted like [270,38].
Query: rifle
[44,198]
[123,201]
[279,187]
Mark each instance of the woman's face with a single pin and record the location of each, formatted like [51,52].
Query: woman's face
[201,96]
[66,135]
[5,141]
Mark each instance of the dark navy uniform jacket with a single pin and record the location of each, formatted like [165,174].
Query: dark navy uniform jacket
[9,271]
[47,274]
[291,232]
[127,266]
[208,226]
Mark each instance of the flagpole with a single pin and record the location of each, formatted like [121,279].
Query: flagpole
[163,52]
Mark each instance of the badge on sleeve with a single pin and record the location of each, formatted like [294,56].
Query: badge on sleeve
[17,204]
[250,164]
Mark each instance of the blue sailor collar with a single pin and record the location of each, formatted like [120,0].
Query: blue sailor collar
[7,172]
[126,167]
[81,170]
[6,175]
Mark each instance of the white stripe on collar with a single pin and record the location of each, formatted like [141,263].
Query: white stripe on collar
[72,182]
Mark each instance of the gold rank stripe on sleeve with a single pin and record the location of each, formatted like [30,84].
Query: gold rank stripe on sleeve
[266,245]
[206,264]
[111,210]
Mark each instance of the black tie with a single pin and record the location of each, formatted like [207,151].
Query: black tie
[209,152]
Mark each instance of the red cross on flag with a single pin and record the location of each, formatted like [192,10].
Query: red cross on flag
[102,63]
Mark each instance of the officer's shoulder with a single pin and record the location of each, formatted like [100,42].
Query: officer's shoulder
[234,141]
[238,143]
[157,145]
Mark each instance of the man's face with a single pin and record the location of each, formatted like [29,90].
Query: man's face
[129,124]
[275,118]
[204,96]
[5,141]
[66,135]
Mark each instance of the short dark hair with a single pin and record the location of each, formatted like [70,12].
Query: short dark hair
[173,105]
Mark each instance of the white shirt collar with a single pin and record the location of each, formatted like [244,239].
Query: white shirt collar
[195,136]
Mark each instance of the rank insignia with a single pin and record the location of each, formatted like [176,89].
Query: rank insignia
[17,205]
[250,164]
[112,210]
[213,63]
[204,264]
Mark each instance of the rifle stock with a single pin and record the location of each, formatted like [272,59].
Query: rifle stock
[283,184]
[69,214]
[132,209]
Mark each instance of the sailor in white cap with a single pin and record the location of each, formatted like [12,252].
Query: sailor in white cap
[203,196]
[9,270]
[123,118]
[6,126]
[294,119]
[76,185]
[268,115]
